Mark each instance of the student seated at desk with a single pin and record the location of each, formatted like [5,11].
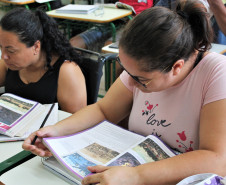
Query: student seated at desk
[172,87]
[38,61]
[96,37]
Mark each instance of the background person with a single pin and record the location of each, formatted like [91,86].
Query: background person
[218,10]
[97,36]
[172,87]
[38,62]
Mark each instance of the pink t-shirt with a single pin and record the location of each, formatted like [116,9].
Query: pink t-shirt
[173,114]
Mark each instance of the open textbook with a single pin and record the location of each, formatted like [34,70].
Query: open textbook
[19,117]
[104,144]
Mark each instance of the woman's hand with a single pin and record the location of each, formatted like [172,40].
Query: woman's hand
[112,175]
[39,148]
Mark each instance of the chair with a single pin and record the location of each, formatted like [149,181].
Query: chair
[92,65]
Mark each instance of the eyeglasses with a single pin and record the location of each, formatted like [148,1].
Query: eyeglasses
[136,78]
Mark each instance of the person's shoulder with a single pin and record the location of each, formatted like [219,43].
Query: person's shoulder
[70,77]
[213,62]
[69,66]
[215,58]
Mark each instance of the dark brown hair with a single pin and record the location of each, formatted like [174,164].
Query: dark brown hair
[158,36]
[31,26]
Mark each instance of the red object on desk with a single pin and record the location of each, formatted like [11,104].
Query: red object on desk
[138,6]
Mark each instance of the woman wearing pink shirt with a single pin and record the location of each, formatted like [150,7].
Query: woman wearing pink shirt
[171,87]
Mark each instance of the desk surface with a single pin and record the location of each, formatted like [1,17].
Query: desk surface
[19,2]
[31,172]
[218,48]
[110,14]
[107,49]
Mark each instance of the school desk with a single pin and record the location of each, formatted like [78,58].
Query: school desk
[107,17]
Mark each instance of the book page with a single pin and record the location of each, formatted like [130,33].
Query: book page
[150,149]
[14,110]
[53,118]
[97,145]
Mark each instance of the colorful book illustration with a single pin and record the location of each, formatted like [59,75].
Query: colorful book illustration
[104,144]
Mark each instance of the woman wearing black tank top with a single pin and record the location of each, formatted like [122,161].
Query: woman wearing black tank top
[38,62]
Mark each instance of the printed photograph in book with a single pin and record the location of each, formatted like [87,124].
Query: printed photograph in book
[146,151]
[11,109]
[91,155]
[99,153]
[78,163]
[126,159]
[149,151]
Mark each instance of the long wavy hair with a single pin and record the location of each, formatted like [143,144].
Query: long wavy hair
[31,26]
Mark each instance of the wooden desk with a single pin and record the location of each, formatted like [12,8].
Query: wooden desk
[109,15]
[31,172]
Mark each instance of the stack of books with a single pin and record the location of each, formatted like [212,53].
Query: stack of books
[77,9]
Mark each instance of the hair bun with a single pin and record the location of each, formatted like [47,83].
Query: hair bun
[183,14]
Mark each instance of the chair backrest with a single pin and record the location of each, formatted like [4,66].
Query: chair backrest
[92,66]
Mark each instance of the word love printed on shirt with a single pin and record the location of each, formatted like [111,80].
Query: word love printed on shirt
[152,120]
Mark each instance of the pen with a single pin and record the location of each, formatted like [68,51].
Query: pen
[44,121]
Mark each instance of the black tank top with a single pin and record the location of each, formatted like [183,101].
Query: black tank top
[44,91]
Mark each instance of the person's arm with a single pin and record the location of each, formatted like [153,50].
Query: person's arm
[71,91]
[115,106]
[219,11]
[210,158]
[3,70]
